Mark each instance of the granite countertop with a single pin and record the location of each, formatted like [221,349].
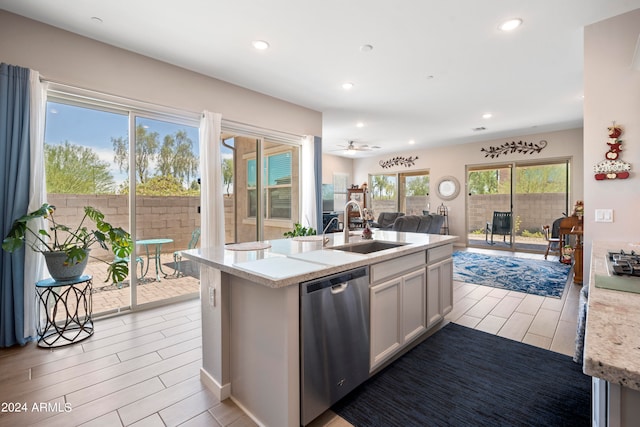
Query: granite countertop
[290,261]
[612,336]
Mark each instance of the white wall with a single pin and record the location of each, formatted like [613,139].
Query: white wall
[67,58]
[453,159]
[335,164]
[612,92]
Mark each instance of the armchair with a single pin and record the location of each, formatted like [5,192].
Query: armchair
[500,225]
[386,220]
[429,224]
[177,255]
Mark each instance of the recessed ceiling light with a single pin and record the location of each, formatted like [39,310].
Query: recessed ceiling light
[347,85]
[510,25]
[487,115]
[412,141]
[260,44]
[360,124]
[366,48]
[96,19]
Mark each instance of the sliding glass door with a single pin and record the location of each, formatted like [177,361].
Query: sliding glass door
[123,162]
[541,193]
[533,194]
[167,199]
[489,191]
[262,192]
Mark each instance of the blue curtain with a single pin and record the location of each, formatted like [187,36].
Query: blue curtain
[14,195]
[317,148]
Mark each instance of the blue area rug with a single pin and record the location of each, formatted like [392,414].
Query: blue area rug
[463,377]
[546,278]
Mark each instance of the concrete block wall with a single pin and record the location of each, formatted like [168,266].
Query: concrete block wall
[157,216]
[531,210]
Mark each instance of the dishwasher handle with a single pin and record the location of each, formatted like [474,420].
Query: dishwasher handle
[338,289]
[333,281]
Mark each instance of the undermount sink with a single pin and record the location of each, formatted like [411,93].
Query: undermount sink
[368,247]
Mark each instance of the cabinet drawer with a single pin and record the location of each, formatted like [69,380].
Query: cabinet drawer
[388,269]
[439,253]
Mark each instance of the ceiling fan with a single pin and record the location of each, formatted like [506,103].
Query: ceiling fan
[352,148]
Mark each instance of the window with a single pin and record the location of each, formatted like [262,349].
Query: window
[383,192]
[277,169]
[406,192]
[340,190]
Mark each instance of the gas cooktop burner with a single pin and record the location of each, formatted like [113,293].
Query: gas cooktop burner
[624,264]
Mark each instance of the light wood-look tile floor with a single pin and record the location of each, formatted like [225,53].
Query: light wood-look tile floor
[138,369]
[142,369]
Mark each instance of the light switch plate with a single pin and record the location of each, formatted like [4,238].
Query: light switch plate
[604,215]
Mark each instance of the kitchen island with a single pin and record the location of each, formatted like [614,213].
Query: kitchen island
[612,341]
[251,310]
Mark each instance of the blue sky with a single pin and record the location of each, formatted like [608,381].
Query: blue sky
[95,128]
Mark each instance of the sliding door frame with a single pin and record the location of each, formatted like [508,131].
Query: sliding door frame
[513,167]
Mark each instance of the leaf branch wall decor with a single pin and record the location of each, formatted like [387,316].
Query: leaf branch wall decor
[522,147]
[397,161]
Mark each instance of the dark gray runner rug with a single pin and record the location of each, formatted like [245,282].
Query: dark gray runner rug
[463,377]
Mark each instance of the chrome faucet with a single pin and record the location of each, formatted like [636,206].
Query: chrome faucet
[325,240]
[346,218]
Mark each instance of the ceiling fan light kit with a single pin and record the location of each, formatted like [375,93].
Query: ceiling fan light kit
[352,148]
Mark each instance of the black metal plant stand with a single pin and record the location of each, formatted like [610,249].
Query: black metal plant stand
[64,311]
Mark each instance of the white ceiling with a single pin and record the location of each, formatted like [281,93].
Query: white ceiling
[529,79]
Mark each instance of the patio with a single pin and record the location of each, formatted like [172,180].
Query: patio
[108,297]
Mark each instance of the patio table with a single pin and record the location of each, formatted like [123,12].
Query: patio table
[157,243]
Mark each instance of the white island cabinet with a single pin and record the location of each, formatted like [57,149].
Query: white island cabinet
[408,296]
[251,311]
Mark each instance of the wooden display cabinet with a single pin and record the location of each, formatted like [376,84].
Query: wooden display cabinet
[573,226]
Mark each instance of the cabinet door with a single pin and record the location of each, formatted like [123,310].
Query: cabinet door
[434,313]
[446,286]
[414,301]
[386,336]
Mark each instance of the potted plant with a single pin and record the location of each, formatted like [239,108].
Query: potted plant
[69,247]
[299,230]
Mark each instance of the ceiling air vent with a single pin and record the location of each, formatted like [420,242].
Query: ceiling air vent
[478,129]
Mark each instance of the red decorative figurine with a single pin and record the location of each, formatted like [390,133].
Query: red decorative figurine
[612,167]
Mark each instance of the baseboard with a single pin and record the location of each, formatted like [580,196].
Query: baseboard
[222,392]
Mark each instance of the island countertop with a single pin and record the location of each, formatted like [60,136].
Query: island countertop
[291,261]
[612,336]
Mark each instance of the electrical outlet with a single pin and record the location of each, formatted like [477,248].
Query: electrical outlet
[604,215]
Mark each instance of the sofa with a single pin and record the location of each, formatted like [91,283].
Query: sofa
[429,224]
[386,219]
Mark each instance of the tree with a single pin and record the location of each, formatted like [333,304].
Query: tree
[541,179]
[74,169]
[161,185]
[146,151]
[176,157]
[483,182]
[383,186]
[227,172]
[417,186]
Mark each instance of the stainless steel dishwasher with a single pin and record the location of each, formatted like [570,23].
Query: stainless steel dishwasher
[334,339]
